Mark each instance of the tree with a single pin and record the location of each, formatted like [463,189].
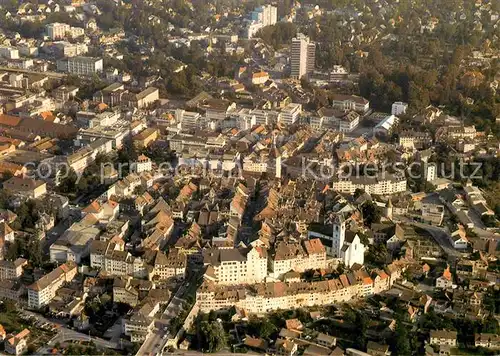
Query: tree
[264,328]
[401,343]
[370,213]
[213,338]
[377,255]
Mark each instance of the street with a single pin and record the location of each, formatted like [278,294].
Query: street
[442,238]
[155,342]
[65,334]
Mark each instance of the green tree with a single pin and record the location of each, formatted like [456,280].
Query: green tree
[263,328]
[370,213]
[401,343]
[213,338]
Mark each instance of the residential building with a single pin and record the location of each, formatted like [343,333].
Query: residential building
[445,281]
[236,266]
[399,108]
[290,114]
[489,341]
[350,102]
[12,269]
[264,297]
[443,337]
[84,65]
[26,186]
[57,31]
[267,15]
[18,343]
[141,100]
[141,322]
[143,164]
[385,127]
[349,122]
[188,120]
[64,93]
[9,52]
[303,56]
[44,290]
[385,184]
[415,140]
[432,213]
[260,78]
[293,256]
[461,132]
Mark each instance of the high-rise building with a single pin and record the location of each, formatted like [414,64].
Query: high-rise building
[303,56]
[267,15]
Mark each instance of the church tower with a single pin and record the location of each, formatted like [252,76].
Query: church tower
[338,236]
[389,209]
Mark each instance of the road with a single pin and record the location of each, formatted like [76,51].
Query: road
[53,234]
[442,238]
[25,71]
[154,343]
[65,334]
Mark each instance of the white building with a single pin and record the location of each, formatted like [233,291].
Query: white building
[290,114]
[143,164]
[386,126]
[303,56]
[236,266]
[44,290]
[430,172]
[399,108]
[17,344]
[57,31]
[446,280]
[252,28]
[349,122]
[267,15]
[346,245]
[338,74]
[9,52]
[350,102]
[189,120]
[84,65]
[443,337]
[12,269]
[380,185]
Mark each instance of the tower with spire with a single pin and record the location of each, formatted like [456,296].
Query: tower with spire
[338,235]
[389,209]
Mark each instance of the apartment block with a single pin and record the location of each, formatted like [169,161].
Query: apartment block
[12,269]
[44,290]
[303,56]
[84,65]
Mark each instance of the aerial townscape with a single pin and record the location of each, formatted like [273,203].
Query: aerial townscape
[278,177]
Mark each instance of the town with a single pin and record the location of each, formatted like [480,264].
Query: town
[263,177]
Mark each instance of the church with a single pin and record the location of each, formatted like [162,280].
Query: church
[346,245]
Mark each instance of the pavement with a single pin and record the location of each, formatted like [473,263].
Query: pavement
[53,234]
